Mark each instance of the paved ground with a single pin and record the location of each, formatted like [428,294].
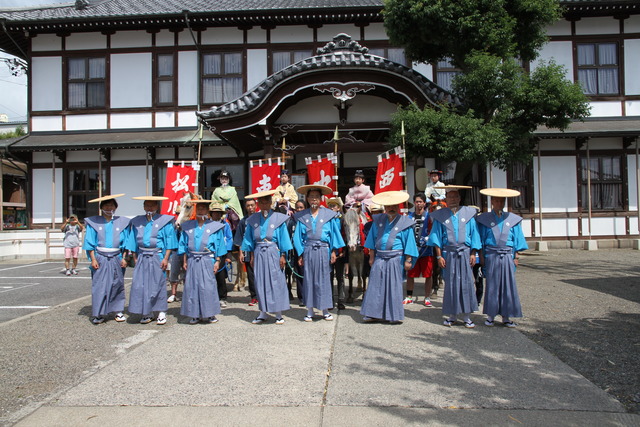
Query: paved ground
[58,369]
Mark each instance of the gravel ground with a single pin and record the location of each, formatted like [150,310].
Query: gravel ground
[584,307]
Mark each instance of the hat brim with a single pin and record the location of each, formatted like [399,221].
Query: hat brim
[499,192]
[304,189]
[103,198]
[260,194]
[454,187]
[390,198]
[153,198]
[335,201]
[194,201]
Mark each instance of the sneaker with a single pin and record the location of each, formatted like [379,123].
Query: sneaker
[427,303]
[212,319]
[488,322]
[120,317]
[162,319]
[280,321]
[254,301]
[408,300]
[510,324]
[448,322]
[469,324]
[146,319]
[68,273]
[74,271]
[172,298]
[328,317]
[367,319]
[194,320]
[97,320]
[308,319]
[223,304]
[258,321]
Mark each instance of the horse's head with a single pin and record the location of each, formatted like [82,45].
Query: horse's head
[437,204]
[187,210]
[352,227]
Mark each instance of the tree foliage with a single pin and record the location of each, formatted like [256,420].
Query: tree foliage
[502,103]
[19,131]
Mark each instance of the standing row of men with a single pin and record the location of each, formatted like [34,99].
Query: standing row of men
[456,238]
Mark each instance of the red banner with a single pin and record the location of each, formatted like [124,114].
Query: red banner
[389,176]
[180,180]
[323,172]
[265,176]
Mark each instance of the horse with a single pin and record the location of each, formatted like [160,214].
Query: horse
[353,221]
[437,279]
[187,211]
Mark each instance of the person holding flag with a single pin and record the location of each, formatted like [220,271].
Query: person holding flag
[316,239]
[393,248]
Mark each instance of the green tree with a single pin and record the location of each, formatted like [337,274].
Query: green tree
[502,103]
[19,131]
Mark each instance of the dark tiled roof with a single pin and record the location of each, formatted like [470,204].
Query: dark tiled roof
[332,56]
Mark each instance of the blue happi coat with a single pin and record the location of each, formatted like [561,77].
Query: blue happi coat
[201,244]
[150,240]
[107,240]
[315,238]
[392,241]
[456,235]
[268,238]
[501,238]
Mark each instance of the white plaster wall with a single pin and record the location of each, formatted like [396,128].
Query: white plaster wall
[603,226]
[165,38]
[366,108]
[41,157]
[606,109]
[130,121]
[632,179]
[555,197]
[256,66]
[165,119]
[184,38]
[375,31]
[326,33]
[127,92]
[598,25]
[187,118]
[81,41]
[632,108]
[319,109]
[424,69]
[633,225]
[43,197]
[225,35]
[188,78]
[42,124]
[87,122]
[256,35]
[129,154]
[499,177]
[631,67]
[361,160]
[218,152]
[289,33]
[561,53]
[82,156]
[557,144]
[46,81]
[560,28]
[632,24]
[525,224]
[558,227]
[43,42]
[132,181]
[29,244]
[138,38]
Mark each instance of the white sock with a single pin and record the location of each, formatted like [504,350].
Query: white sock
[325,312]
[310,311]
[162,315]
[466,318]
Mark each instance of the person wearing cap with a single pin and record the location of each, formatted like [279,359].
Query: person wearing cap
[425,261]
[71,242]
[151,239]
[455,240]
[433,191]
[393,246]
[502,241]
[342,254]
[104,243]
[216,211]
[250,206]
[202,246]
[228,196]
[285,192]
[360,193]
[267,240]
[316,240]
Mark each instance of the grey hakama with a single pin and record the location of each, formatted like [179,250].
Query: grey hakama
[148,289]
[107,284]
[501,292]
[383,299]
[317,274]
[271,283]
[459,292]
[200,296]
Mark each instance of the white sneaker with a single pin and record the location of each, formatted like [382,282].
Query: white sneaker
[162,319]
[408,300]
[223,304]
[172,298]
[68,273]
[74,271]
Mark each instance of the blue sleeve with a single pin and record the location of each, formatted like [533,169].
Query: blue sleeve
[299,237]
[217,243]
[248,245]
[435,237]
[519,242]
[183,244]
[473,237]
[335,232]
[131,243]
[283,238]
[370,243]
[90,239]
[168,237]
[228,237]
[239,234]
[408,238]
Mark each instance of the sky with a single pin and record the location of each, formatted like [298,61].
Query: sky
[13,90]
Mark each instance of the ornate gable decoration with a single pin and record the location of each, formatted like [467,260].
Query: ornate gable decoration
[342,42]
